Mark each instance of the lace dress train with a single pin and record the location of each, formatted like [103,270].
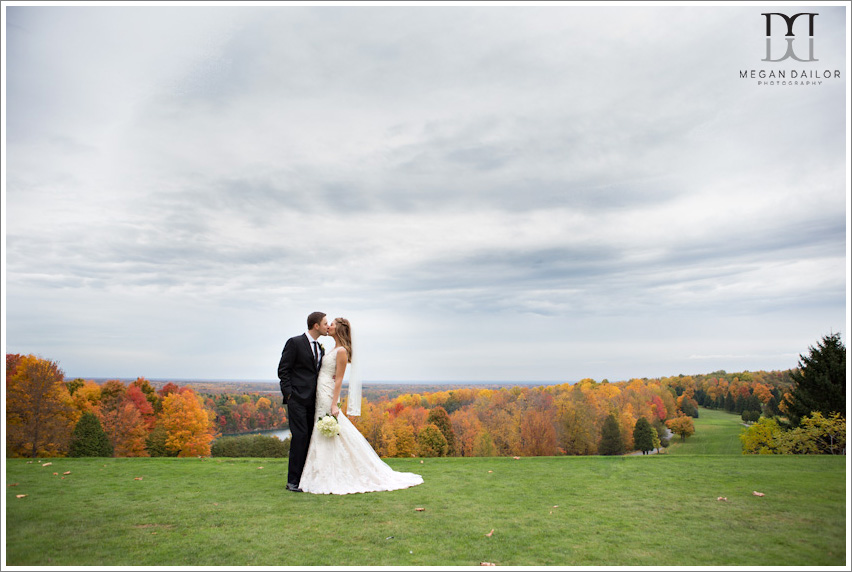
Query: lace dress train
[345,463]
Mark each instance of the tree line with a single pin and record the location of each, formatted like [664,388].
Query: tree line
[48,416]
[583,418]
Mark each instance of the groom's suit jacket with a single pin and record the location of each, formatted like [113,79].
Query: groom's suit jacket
[297,370]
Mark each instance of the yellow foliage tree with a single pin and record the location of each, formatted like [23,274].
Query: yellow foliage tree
[187,424]
[682,426]
[760,438]
[406,445]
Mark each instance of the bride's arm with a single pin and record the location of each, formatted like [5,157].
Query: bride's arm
[340,368]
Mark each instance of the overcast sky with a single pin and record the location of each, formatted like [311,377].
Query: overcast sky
[525,193]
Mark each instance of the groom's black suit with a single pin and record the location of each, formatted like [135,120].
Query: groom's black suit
[297,372]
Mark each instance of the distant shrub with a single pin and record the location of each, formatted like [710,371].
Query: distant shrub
[750,416]
[250,446]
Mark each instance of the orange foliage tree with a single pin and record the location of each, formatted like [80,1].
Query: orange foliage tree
[40,415]
[187,424]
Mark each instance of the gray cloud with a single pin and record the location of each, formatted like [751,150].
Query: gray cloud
[447,176]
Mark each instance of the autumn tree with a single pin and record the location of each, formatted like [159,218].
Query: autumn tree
[815,435]
[87,397]
[819,384]
[187,424]
[139,399]
[537,434]
[431,442]
[403,442]
[89,439]
[168,389]
[40,416]
[682,426]
[580,428]
[759,439]
[484,446]
[611,442]
[126,429]
[74,385]
[441,419]
[643,436]
[150,393]
[467,427]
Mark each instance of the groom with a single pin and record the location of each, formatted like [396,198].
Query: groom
[297,371]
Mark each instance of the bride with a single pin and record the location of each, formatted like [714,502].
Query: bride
[345,463]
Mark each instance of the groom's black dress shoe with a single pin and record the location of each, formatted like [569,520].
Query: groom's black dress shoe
[294,488]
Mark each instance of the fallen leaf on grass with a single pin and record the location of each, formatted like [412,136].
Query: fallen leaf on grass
[421,461]
[487,564]
[47,464]
[12,485]
[516,458]
[556,506]
[419,509]
[490,471]
[137,478]
[20,496]
[67,473]
[490,533]
[757,494]
[55,474]
[722,498]
[260,467]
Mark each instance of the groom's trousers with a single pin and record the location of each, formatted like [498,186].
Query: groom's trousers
[301,417]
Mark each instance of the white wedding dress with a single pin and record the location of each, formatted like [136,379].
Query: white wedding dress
[345,463]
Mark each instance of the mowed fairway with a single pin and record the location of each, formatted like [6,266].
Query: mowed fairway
[654,510]
[716,433]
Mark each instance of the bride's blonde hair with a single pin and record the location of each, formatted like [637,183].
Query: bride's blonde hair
[344,332]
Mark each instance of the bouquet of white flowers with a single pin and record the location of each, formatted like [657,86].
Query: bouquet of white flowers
[327,425]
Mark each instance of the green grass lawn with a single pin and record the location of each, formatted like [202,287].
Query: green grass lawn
[716,433]
[655,510]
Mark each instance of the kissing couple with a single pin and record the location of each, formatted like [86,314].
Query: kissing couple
[310,381]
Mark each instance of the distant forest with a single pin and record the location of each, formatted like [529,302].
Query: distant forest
[372,391]
[48,415]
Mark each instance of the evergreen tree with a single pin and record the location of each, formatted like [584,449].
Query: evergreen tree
[753,404]
[643,436]
[611,442]
[820,382]
[89,438]
[730,402]
[772,407]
